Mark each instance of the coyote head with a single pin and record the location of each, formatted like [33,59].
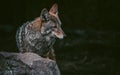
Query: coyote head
[51,24]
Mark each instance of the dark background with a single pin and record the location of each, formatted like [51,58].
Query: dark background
[92,26]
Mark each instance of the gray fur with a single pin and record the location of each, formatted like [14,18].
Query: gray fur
[39,39]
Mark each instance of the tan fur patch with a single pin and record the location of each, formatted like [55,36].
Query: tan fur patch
[37,24]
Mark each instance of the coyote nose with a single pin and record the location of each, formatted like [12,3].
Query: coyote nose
[64,34]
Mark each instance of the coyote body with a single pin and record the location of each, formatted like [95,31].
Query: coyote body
[39,35]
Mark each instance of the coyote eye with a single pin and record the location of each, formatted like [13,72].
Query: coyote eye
[54,26]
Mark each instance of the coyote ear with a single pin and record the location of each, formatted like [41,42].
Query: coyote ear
[54,9]
[45,15]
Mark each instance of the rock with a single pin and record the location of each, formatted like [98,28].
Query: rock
[26,64]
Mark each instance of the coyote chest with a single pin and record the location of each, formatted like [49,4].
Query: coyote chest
[39,43]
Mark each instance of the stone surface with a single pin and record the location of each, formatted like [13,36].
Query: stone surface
[26,64]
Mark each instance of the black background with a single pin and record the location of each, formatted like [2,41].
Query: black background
[92,26]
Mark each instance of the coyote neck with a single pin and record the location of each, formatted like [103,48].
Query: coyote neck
[43,45]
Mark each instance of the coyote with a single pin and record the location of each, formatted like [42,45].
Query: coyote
[39,35]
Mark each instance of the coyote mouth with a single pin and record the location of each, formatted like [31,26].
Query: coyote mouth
[59,34]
